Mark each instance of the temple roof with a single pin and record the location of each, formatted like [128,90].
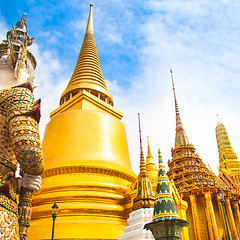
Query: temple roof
[87,73]
[164,206]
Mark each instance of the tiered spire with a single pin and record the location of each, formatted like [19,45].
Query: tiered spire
[187,169]
[223,140]
[180,138]
[145,198]
[87,74]
[227,157]
[164,207]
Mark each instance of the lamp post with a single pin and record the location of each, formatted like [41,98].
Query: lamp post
[221,198]
[54,215]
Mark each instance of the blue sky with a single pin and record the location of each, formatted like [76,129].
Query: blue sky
[138,42]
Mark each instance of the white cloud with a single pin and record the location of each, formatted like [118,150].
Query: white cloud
[206,72]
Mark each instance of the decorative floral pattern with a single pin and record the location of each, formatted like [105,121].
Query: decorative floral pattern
[8,225]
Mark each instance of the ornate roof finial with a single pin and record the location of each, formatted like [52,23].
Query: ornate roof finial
[180,138]
[218,118]
[140,136]
[175,99]
[89,28]
[142,161]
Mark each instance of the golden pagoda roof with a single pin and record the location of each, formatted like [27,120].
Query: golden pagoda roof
[87,74]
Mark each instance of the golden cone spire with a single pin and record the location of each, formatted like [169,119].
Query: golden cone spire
[87,74]
[149,159]
[150,164]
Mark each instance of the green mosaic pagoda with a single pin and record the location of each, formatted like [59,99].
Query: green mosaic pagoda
[165,224]
[164,206]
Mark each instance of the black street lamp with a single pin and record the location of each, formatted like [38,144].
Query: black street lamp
[54,215]
[221,195]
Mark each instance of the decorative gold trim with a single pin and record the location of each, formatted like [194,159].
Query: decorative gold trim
[87,170]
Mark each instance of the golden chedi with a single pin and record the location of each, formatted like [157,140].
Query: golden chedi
[227,157]
[85,152]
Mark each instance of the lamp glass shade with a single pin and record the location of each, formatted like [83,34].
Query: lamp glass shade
[54,208]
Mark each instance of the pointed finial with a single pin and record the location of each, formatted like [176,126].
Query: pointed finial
[142,161]
[175,99]
[218,118]
[145,198]
[89,28]
[150,164]
[140,136]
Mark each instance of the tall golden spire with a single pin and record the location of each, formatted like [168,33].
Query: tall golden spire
[145,198]
[180,138]
[87,74]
